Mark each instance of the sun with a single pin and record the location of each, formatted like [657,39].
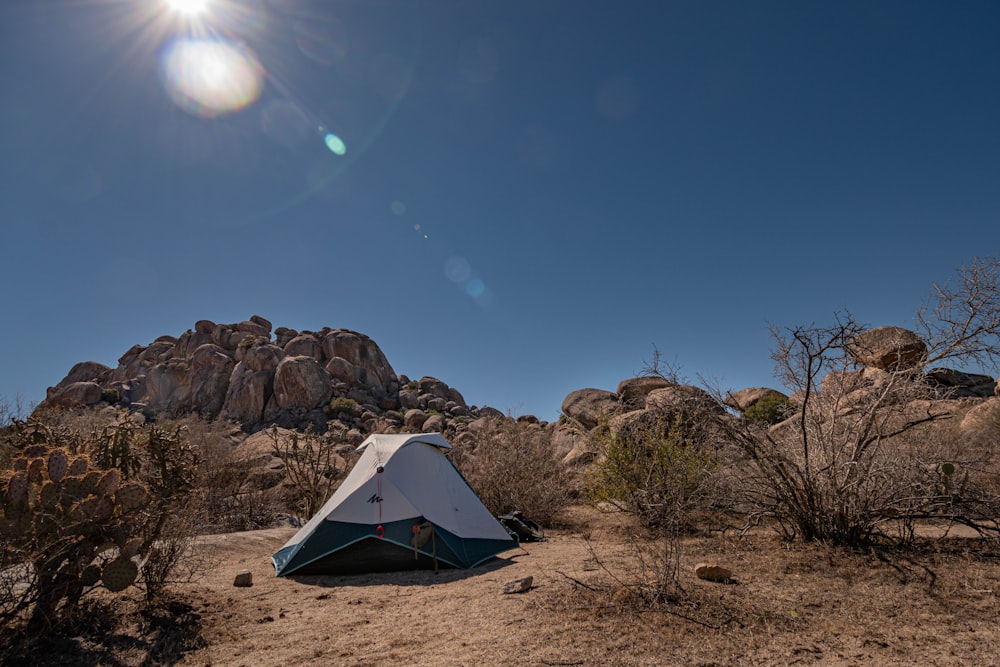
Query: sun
[188,7]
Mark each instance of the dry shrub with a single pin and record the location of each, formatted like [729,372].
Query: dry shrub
[231,497]
[511,467]
[855,465]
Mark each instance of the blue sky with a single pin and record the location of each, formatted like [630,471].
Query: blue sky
[520,198]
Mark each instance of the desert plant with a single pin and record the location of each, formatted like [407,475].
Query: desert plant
[311,466]
[658,466]
[847,468]
[770,409]
[76,526]
[511,467]
[343,404]
[655,465]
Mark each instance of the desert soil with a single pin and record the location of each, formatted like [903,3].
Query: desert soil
[786,604]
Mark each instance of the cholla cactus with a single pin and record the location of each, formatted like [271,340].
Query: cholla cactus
[76,526]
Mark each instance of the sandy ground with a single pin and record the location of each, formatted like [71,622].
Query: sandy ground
[798,604]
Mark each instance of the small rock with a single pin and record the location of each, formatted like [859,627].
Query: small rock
[518,585]
[712,572]
[244,579]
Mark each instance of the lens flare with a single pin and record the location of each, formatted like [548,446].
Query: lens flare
[334,143]
[211,77]
[188,7]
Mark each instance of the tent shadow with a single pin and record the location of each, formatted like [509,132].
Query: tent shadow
[404,577]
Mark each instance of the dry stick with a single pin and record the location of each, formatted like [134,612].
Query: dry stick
[576,581]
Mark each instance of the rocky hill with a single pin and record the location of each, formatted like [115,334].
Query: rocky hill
[336,378]
[247,374]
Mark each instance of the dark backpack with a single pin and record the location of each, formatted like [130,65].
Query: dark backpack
[521,527]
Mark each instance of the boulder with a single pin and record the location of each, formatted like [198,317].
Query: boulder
[432,387]
[888,348]
[263,357]
[167,387]
[434,424]
[589,406]
[208,379]
[342,370]
[85,371]
[409,399]
[300,382]
[984,417]
[633,391]
[74,394]
[304,345]
[248,394]
[414,419]
[949,383]
[744,399]
[682,395]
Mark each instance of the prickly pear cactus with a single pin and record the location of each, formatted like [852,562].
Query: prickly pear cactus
[58,464]
[68,519]
[119,574]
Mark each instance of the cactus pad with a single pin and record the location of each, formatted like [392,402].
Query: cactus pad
[34,451]
[36,467]
[93,509]
[20,463]
[90,575]
[108,483]
[17,488]
[78,468]
[70,491]
[48,496]
[119,574]
[88,486]
[132,496]
[58,464]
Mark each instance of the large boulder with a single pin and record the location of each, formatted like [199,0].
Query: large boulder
[888,349]
[682,396]
[208,378]
[589,406]
[300,382]
[304,345]
[85,371]
[982,418]
[74,394]
[633,391]
[745,399]
[248,394]
[950,383]
[167,387]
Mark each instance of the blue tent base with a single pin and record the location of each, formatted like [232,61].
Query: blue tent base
[371,555]
[344,548]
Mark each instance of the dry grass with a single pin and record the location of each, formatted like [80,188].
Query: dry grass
[789,604]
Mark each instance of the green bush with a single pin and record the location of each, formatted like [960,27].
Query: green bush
[655,467]
[343,404]
[770,409]
[110,396]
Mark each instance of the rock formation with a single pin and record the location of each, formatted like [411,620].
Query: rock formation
[293,379]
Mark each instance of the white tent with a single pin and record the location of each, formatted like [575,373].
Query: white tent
[400,482]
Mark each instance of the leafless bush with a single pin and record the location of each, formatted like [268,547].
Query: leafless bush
[230,494]
[847,469]
[659,466]
[511,467]
[311,466]
[173,557]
